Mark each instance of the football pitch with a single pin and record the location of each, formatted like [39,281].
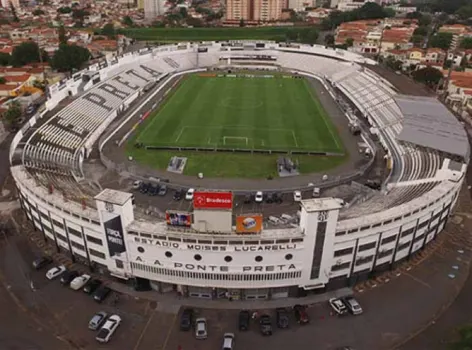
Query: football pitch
[281,113]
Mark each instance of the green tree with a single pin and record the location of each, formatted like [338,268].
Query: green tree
[109,30]
[414,15]
[127,21]
[183,12]
[421,31]
[69,57]
[424,20]
[241,23]
[308,35]
[329,40]
[464,341]
[466,43]
[4,59]
[417,39]
[62,35]
[2,80]
[64,10]
[13,13]
[441,40]
[291,35]
[79,14]
[429,75]
[27,52]
[349,42]
[11,115]
[38,12]
[464,12]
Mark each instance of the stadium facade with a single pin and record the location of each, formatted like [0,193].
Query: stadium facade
[204,253]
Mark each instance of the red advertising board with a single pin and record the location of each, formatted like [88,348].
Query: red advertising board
[213,200]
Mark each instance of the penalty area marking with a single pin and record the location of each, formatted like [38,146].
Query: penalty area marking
[295,139]
[180,134]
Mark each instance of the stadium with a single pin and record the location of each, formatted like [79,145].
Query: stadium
[215,116]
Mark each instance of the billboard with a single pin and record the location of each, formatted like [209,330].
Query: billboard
[213,200]
[249,223]
[114,235]
[178,219]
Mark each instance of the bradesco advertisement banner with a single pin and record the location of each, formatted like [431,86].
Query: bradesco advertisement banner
[249,223]
[178,219]
[213,200]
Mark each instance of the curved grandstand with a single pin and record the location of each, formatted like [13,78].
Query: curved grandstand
[333,244]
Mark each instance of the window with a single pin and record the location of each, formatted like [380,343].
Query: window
[423,224]
[94,240]
[57,223]
[339,267]
[342,252]
[77,245]
[403,246]
[367,246]
[384,253]
[119,264]
[74,232]
[340,233]
[364,260]
[408,232]
[389,239]
[61,237]
[97,253]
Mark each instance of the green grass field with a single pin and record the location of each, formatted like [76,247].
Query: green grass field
[277,113]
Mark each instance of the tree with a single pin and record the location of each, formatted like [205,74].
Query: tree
[13,13]
[183,12]
[64,10]
[421,31]
[329,39]
[464,12]
[464,341]
[109,30]
[441,41]
[308,35]
[241,23]
[127,21]
[466,43]
[79,14]
[4,59]
[349,42]
[27,52]
[424,20]
[38,12]
[2,80]
[69,57]
[430,76]
[11,115]
[417,39]
[62,35]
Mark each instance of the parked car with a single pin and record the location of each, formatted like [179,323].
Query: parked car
[97,320]
[282,318]
[162,190]
[244,320]
[92,286]
[41,262]
[201,328]
[178,195]
[265,325]
[301,314]
[144,188]
[79,282]
[189,194]
[101,294]
[186,320]
[297,196]
[110,326]
[137,184]
[316,192]
[277,198]
[353,305]
[338,306]
[269,198]
[68,276]
[228,341]
[259,198]
[55,272]
[153,190]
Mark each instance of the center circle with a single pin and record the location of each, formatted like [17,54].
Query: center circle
[241,103]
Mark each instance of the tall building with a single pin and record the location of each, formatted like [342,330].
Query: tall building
[254,10]
[6,3]
[153,8]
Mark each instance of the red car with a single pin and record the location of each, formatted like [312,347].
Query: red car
[301,314]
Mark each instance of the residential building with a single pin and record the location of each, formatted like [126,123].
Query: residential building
[6,3]
[153,9]
[254,10]
[349,5]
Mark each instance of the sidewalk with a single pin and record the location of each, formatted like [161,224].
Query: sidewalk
[229,305]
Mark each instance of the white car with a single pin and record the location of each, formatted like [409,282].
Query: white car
[228,341]
[201,328]
[79,282]
[353,305]
[189,194]
[338,306]
[297,196]
[55,272]
[107,330]
[259,197]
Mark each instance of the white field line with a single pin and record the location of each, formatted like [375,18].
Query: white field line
[295,138]
[180,134]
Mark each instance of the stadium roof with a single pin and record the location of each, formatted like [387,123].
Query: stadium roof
[428,123]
